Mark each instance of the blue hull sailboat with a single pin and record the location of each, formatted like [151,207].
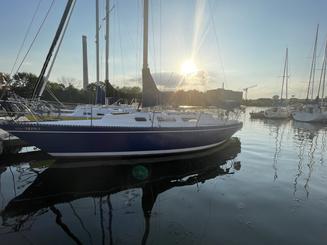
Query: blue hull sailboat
[138,133]
[96,140]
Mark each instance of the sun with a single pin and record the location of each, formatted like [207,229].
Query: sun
[188,68]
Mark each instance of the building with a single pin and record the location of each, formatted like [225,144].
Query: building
[223,98]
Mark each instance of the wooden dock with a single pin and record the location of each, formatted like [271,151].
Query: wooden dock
[10,144]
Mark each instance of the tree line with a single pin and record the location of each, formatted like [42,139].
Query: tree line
[23,84]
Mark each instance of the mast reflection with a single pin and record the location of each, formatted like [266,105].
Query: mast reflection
[63,182]
[308,136]
[277,131]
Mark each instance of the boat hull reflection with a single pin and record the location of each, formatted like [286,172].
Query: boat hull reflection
[65,182]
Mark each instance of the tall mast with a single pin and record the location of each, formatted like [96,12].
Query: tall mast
[323,76]
[284,76]
[46,78]
[150,93]
[97,38]
[107,40]
[145,34]
[313,67]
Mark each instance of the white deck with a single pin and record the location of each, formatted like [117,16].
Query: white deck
[150,119]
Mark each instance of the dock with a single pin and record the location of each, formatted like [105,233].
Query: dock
[10,144]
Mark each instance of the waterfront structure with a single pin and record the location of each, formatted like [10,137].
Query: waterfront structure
[224,98]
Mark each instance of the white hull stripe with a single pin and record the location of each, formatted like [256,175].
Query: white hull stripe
[119,132]
[134,153]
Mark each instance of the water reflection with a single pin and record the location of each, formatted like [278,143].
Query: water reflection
[276,130]
[2,170]
[308,137]
[45,190]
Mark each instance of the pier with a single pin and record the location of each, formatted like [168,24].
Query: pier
[10,144]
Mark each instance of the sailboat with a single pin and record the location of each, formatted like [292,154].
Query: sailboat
[280,111]
[314,110]
[133,134]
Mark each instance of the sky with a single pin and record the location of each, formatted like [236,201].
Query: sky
[238,43]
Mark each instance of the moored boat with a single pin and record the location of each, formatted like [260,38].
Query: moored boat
[126,135]
[257,115]
[280,111]
[311,113]
[129,134]
[314,110]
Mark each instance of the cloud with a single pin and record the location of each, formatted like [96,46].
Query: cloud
[201,81]
[172,81]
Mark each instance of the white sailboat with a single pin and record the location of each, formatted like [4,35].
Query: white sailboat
[314,110]
[281,111]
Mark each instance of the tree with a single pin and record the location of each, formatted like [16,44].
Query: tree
[69,81]
[23,84]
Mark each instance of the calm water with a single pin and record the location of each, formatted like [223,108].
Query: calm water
[267,185]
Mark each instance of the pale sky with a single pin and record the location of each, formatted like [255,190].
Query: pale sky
[252,36]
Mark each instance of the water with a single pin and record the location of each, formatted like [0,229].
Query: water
[267,185]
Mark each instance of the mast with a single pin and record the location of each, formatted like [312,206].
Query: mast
[150,92]
[313,67]
[145,34]
[323,76]
[40,80]
[286,74]
[46,78]
[284,77]
[97,39]
[107,40]
[324,79]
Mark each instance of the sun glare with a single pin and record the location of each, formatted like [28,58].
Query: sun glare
[188,68]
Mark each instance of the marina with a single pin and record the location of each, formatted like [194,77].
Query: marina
[262,188]
[172,126]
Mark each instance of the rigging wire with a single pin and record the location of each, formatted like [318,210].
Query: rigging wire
[25,37]
[36,35]
[48,89]
[120,46]
[217,43]
[153,38]
[113,46]
[160,41]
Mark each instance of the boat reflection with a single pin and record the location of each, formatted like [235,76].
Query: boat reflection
[65,182]
[2,170]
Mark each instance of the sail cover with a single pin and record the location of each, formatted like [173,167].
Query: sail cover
[151,96]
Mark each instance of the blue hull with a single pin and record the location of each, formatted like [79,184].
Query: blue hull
[77,141]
